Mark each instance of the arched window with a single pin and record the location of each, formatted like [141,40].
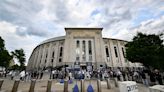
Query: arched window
[123,52]
[115,50]
[90,50]
[53,54]
[77,43]
[107,51]
[60,54]
[83,51]
[61,51]
[77,50]
[90,47]
[77,47]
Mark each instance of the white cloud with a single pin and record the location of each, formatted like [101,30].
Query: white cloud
[152,26]
[14,41]
[25,23]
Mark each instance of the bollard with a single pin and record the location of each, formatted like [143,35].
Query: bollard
[76,88]
[49,86]
[90,88]
[98,86]
[1,82]
[116,82]
[126,77]
[65,86]
[15,86]
[82,86]
[108,84]
[121,78]
[32,86]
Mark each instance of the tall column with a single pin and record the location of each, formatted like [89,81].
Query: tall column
[57,51]
[33,62]
[49,63]
[113,57]
[87,53]
[119,54]
[80,54]
[36,57]
[122,60]
[43,57]
[39,57]
[93,51]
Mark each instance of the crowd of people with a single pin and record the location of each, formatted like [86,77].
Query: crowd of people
[145,76]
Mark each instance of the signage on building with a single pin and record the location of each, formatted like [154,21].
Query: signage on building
[89,63]
[89,66]
[77,64]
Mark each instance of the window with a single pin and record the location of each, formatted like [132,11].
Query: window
[77,50]
[60,59]
[46,55]
[46,52]
[90,47]
[77,58]
[115,50]
[53,54]
[40,58]
[52,60]
[61,50]
[83,51]
[77,43]
[90,50]
[107,51]
[77,47]
[60,54]
[123,52]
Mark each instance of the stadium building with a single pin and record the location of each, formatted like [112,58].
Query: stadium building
[81,48]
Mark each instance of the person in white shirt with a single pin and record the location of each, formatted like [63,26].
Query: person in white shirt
[70,75]
[53,74]
[22,75]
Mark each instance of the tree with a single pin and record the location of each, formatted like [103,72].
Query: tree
[19,54]
[2,45]
[5,57]
[15,67]
[146,49]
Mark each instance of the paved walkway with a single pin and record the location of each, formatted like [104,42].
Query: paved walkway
[41,86]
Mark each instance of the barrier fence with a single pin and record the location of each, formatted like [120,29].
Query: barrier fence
[81,86]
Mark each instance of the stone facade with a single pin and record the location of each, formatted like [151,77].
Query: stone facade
[82,46]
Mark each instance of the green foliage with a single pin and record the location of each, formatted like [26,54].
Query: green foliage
[20,55]
[17,67]
[14,67]
[5,57]
[146,49]
[2,45]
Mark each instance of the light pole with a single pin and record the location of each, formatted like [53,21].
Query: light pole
[65,70]
[51,67]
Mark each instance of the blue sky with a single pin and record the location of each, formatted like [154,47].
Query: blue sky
[26,23]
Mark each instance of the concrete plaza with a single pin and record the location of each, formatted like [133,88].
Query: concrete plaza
[41,86]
